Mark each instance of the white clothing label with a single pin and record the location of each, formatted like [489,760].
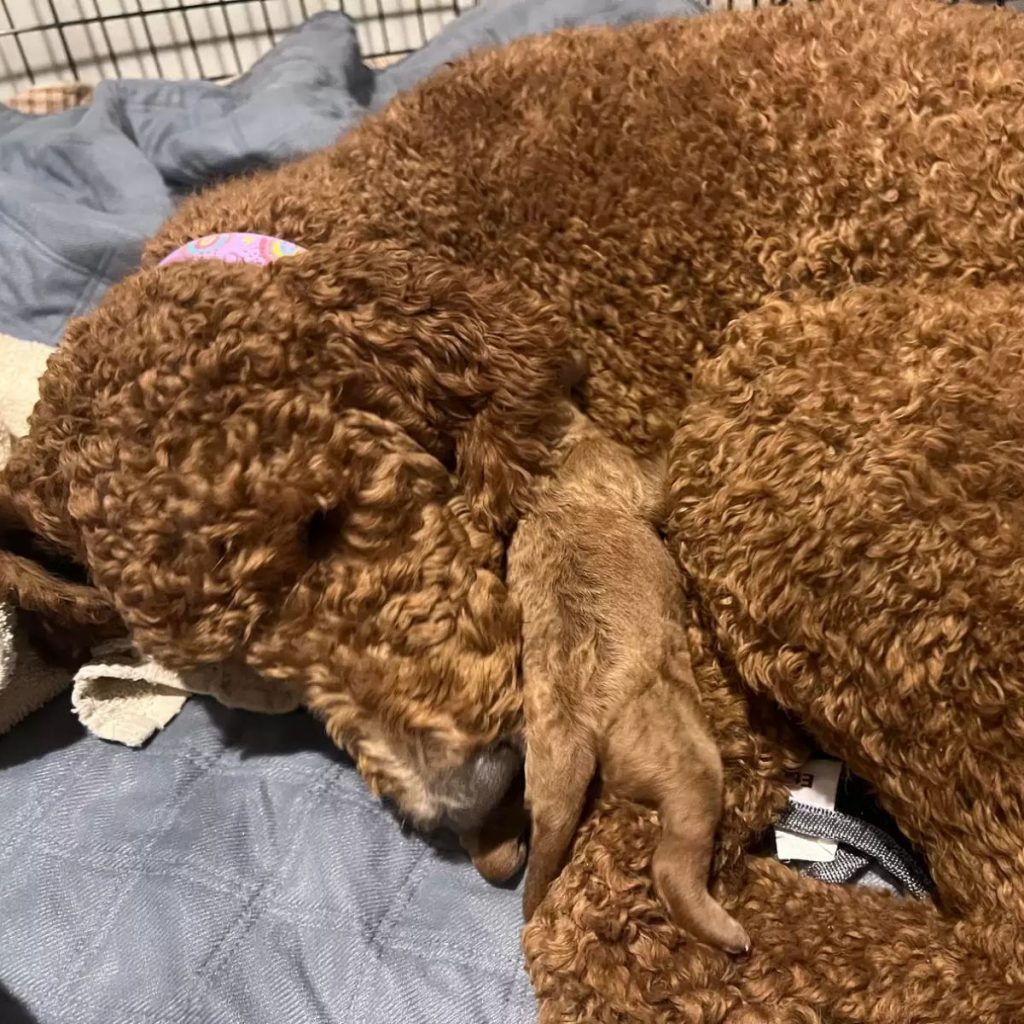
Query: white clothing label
[815,784]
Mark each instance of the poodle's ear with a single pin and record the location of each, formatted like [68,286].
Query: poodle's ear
[512,439]
[64,614]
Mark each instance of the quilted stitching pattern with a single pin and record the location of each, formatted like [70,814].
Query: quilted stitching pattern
[234,870]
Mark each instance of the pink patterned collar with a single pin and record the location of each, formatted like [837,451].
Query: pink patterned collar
[234,247]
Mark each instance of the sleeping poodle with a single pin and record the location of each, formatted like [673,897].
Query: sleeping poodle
[790,245]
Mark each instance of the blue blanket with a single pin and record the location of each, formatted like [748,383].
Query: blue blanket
[235,870]
[81,191]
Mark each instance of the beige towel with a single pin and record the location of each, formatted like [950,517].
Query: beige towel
[126,698]
[21,365]
[118,696]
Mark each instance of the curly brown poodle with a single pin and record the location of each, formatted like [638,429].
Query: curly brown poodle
[790,241]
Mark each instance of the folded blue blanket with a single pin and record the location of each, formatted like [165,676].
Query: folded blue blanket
[235,870]
[81,191]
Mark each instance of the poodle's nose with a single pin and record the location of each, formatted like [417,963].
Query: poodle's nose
[480,784]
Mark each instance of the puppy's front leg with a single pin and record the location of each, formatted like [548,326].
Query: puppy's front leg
[560,762]
[498,847]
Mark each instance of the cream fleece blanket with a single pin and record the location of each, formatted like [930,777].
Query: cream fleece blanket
[119,695]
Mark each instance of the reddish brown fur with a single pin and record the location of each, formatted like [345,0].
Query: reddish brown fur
[293,427]
[607,681]
[827,199]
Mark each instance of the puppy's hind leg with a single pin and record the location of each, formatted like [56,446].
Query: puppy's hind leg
[659,752]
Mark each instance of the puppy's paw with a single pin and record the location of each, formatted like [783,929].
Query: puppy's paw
[502,862]
[734,938]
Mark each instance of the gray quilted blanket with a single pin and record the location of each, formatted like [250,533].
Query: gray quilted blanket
[235,870]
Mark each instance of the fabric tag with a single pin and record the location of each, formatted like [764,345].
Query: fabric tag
[815,784]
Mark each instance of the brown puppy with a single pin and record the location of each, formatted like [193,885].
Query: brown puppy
[607,679]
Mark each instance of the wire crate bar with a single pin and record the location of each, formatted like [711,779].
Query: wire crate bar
[88,40]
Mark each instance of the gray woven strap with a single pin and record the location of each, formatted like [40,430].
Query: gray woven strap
[860,846]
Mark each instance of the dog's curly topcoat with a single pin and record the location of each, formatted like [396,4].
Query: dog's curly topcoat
[794,239]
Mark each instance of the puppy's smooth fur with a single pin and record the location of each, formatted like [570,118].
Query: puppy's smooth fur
[607,680]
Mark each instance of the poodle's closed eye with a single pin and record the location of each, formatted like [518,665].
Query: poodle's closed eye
[323,531]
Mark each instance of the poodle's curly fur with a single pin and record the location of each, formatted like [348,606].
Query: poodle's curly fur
[792,242]
[260,468]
